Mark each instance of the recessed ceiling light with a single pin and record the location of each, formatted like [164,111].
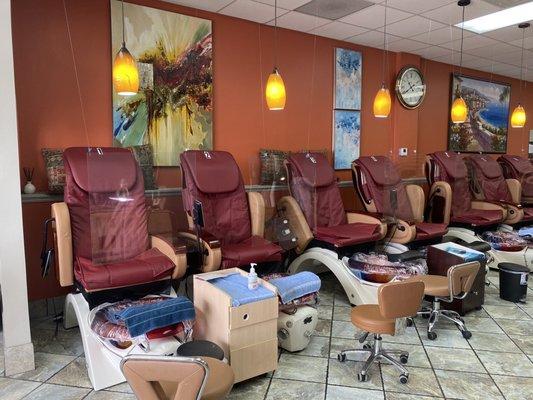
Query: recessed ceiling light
[500,19]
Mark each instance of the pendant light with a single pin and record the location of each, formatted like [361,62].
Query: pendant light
[459,111]
[518,118]
[125,72]
[382,101]
[275,88]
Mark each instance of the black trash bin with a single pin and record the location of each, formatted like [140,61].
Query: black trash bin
[513,282]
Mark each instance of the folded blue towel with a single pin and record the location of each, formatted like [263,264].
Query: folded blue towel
[145,318]
[236,285]
[293,286]
[526,232]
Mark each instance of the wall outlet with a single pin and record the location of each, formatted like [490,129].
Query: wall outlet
[403,152]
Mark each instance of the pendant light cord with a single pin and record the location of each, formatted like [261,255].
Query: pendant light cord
[462,40]
[276,34]
[123,34]
[384,44]
[522,60]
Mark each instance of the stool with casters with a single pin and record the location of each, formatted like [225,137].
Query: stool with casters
[456,285]
[395,300]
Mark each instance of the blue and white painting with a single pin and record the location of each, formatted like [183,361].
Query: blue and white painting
[348,68]
[347,135]
[486,126]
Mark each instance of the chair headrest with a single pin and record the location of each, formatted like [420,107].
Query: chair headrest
[102,169]
[313,168]
[212,171]
[488,166]
[452,163]
[521,164]
[381,170]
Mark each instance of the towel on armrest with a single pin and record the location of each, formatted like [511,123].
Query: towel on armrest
[293,286]
[236,285]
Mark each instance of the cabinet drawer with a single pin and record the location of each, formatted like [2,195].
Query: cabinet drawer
[252,334]
[254,360]
[253,313]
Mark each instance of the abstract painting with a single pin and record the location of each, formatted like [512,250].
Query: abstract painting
[173,109]
[346,138]
[486,126]
[348,69]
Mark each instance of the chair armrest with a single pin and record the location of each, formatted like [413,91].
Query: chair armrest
[175,249]
[515,188]
[488,205]
[417,199]
[444,190]
[367,218]
[63,244]
[256,202]
[211,245]
[290,209]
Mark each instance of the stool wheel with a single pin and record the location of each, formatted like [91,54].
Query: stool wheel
[410,322]
[341,357]
[404,358]
[432,335]
[367,346]
[404,378]
[467,334]
[362,377]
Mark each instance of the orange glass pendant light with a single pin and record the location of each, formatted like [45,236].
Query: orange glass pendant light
[518,118]
[382,103]
[275,91]
[459,111]
[125,72]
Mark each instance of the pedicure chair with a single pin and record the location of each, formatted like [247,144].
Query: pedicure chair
[325,231]
[379,185]
[450,202]
[231,221]
[521,169]
[488,183]
[103,249]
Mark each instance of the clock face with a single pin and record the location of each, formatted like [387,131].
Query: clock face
[410,87]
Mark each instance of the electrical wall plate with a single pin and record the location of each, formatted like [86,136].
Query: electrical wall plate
[403,151]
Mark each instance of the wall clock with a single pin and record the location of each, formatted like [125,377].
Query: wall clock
[410,87]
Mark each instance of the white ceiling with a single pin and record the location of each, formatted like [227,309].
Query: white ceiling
[423,27]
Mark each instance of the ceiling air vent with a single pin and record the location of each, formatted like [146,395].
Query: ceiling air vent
[333,9]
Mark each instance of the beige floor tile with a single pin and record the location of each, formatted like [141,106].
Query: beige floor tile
[422,381]
[106,395]
[317,347]
[309,369]
[506,312]
[345,374]
[46,366]
[57,392]
[345,393]
[516,327]
[506,363]
[515,388]
[252,389]
[524,342]
[13,389]
[283,390]
[468,386]
[75,374]
[454,359]
[499,342]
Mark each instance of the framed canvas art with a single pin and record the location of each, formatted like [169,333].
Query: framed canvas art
[348,75]
[486,126]
[346,137]
[173,109]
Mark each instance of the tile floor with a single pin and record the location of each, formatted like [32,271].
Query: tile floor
[496,363]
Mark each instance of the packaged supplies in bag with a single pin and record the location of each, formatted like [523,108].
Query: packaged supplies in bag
[504,240]
[378,269]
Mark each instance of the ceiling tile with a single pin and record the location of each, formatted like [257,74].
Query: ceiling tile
[442,35]
[510,34]
[406,45]
[453,58]
[285,4]
[493,49]
[333,9]
[300,22]
[417,6]
[433,52]
[250,10]
[373,39]
[474,42]
[451,14]
[338,30]
[528,43]
[373,17]
[209,5]
[412,26]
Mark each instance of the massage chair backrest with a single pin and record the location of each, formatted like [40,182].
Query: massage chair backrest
[214,179]
[400,299]
[449,166]
[104,192]
[519,168]
[313,184]
[375,178]
[486,178]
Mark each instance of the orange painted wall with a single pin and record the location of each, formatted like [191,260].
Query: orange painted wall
[49,109]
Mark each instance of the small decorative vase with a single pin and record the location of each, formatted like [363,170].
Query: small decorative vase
[29,188]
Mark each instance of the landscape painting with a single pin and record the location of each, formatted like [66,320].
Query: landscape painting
[173,109]
[346,138]
[348,76]
[486,127]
